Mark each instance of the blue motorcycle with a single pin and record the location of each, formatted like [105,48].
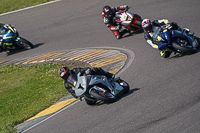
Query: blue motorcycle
[176,41]
[9,35]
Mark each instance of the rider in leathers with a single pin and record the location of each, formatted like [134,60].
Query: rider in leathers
[65,73]
[108,15]
[152,36]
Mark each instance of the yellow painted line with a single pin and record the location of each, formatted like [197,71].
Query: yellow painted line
[93,54]
[89,54]
[54,108]
[3,61]
[109,61]
[114,71]
[43,57]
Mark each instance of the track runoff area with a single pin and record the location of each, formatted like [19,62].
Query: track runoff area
[114,60]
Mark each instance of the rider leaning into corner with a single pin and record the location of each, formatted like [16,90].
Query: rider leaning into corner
[108,15]
[8,35]
[66,74]
[153,38]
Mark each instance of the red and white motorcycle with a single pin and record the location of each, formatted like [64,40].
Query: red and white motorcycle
[129,20]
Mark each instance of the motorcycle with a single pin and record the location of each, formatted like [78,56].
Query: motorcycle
[19,42]
[176,41]
[129,20]
[97,88]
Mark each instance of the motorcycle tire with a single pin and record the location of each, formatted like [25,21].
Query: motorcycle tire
[139,23]
[107,96]
[89,101]
[125,85]
[26,43]
[183,49]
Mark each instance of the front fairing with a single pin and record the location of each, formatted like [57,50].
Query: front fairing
[166,35]
[161,36]
[114,87]
[78,83]
[8,34]
[125,18]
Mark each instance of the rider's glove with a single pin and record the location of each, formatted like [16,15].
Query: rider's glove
[88,71]
[168,26]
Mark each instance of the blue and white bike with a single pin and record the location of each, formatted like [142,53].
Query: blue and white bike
[9,34]
[176,41]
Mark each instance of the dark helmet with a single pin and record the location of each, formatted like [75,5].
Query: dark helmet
[107,11]
[64,72]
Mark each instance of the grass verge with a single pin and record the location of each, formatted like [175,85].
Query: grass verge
[11,5]
[26,90]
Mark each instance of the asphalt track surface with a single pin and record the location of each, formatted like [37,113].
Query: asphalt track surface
[165,93]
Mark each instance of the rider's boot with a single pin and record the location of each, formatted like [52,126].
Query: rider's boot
[165,54]
[122,33]
[186,30]
[118,36]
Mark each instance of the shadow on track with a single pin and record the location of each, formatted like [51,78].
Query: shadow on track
[179,55]
[132,33]
[18,49]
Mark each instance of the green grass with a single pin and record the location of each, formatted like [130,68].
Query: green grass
[11,5]
[26,90]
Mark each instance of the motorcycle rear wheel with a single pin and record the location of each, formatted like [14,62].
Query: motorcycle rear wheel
[183,48]
[107,96]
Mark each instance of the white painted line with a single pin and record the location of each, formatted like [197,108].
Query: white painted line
[52,115]
[29,7]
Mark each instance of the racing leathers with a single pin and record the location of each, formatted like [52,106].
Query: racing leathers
[152,35]
[84,71]
[112,25]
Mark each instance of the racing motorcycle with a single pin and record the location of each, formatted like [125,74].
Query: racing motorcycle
[128,20]
[19,42]
[176,41]
[97,88]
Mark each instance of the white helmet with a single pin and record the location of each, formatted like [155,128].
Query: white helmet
[146,24]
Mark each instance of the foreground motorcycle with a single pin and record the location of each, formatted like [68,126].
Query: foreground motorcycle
[19,42]
[129,20]
[177,41]
[97,88]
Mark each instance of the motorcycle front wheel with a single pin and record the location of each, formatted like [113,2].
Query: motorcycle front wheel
[103,96]
[26,44]
[89,100]
[125,85]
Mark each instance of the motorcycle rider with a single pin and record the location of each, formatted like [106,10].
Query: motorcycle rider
[7,34]
[153,38]
[108,15]
[65,73]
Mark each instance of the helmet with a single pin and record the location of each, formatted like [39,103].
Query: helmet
[107,11]
[146,24]
[64,72]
